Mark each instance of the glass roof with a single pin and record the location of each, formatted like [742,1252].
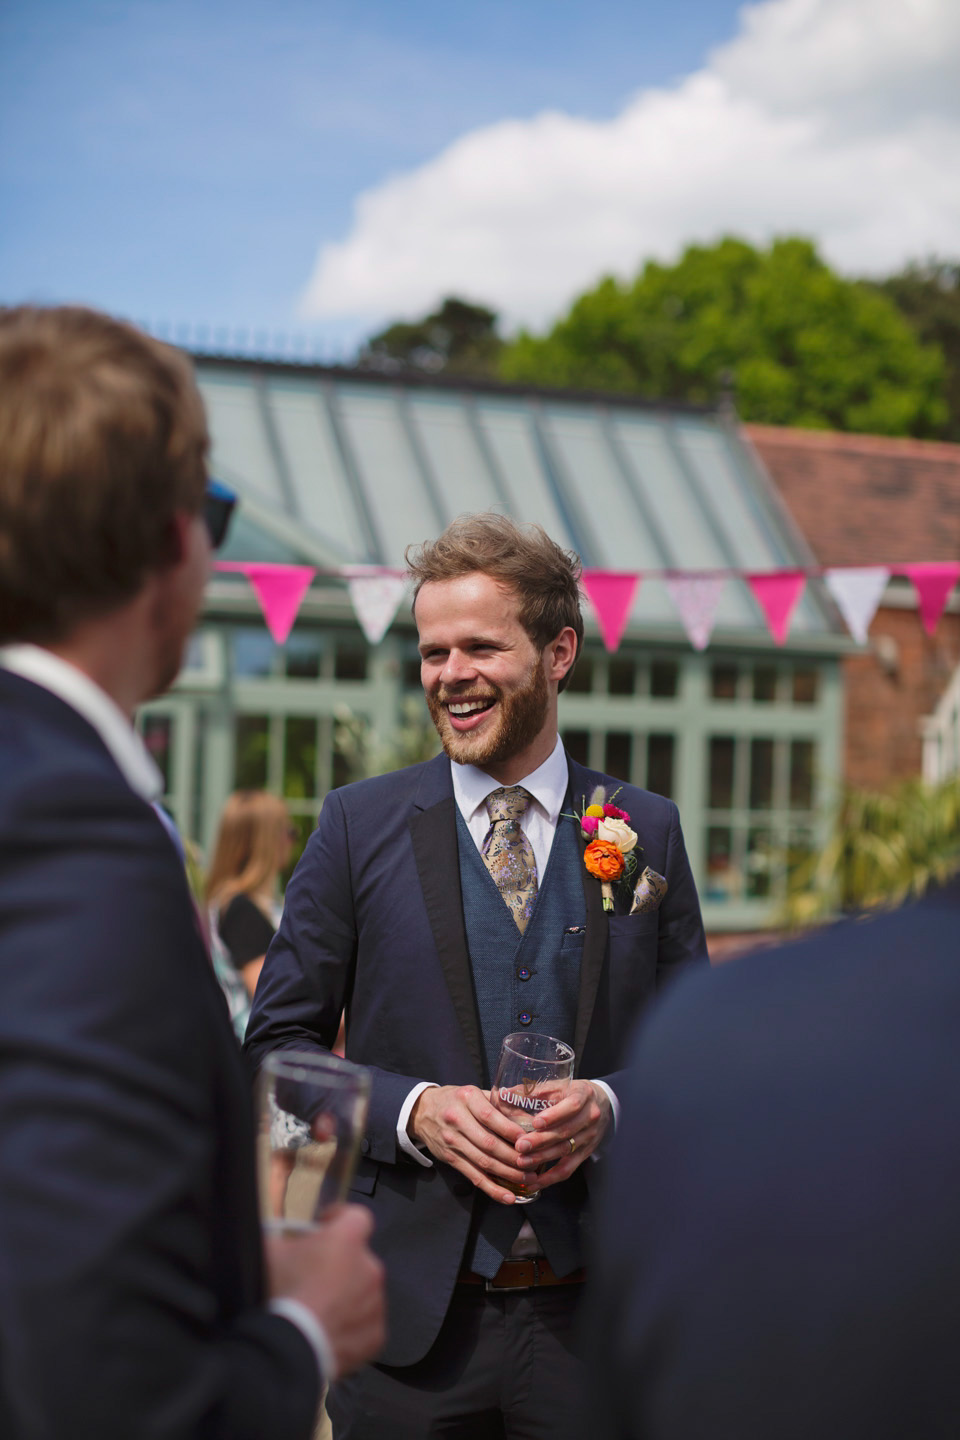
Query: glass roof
[353,469]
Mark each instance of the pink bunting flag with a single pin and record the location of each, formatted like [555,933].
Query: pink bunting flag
[611,594]
[279,588]
[778,596]
[933,582]
[697,598]
[375,595]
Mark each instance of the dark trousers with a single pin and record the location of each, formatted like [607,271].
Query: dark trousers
[504,1367]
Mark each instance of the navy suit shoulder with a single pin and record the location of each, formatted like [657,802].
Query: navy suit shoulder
[781,1247]
[130,1249]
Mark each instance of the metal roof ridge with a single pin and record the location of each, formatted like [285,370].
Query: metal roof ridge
[479,385]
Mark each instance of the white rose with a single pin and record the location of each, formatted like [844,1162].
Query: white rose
[617,832]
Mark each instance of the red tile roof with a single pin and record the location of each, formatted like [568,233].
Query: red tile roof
[865,499]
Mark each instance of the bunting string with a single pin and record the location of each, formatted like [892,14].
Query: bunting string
[376,592]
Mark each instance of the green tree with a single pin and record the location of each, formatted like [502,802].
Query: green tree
[458,339]
[927,293]
[885,847]
[802,345]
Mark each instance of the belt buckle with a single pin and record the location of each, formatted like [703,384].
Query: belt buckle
[512,1289]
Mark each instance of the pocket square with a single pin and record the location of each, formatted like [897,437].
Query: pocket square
[649,893]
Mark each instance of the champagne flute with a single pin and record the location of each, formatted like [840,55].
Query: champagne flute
[313,1111]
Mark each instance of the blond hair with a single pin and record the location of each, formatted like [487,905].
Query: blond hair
[245,856]
[544,577]
[103,439]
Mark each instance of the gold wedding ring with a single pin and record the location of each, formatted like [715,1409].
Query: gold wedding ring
[573,1144]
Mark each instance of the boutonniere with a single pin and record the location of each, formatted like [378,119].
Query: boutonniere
[611,844]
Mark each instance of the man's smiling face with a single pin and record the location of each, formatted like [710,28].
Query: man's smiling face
[485,681]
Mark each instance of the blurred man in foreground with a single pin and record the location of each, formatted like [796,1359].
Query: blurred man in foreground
[784,1259]
[132,1298]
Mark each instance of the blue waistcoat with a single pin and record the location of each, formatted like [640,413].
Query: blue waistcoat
[525,982]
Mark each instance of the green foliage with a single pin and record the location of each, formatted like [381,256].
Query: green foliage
[885,848]
[803,346]
[927,294]
[458,339]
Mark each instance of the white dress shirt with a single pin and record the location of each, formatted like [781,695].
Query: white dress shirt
[135,764]
[547,785]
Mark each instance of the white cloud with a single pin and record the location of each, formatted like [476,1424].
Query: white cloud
[838,119]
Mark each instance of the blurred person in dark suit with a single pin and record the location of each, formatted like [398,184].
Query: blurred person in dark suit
[133,1299]
[779,1244]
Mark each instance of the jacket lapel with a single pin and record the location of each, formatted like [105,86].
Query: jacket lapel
[582,782]
[433,833]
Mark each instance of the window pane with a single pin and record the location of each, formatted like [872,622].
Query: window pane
[660,750]
[299,756]
[350,661]
[722,880]
[805,687]
[618,754]
[581,681]
[723,682]
[720,776]
[303,824]
[761,774]
[250,758]
[253,652]
[411,674]
[760,863]
[764,683]
[157,731]
[663,678]
[302,656]
[349,751]
[621,677]
[577,744]
[801,775]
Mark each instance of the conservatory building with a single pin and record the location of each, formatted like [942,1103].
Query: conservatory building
[338,468]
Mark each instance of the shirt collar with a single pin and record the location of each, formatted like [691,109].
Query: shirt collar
[547,785]
[81,693]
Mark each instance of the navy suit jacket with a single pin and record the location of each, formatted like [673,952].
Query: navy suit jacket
[780,1255]
[373,921]
[130,1260]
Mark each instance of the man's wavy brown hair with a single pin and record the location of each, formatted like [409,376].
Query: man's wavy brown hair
[103,438]
[544,577]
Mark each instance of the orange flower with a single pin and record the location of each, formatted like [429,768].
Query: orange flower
[603,860]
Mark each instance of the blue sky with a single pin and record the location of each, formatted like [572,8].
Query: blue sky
[183,160]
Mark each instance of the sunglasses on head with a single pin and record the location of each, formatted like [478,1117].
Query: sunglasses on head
[218,506]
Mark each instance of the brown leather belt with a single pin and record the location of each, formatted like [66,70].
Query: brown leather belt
[522,1275]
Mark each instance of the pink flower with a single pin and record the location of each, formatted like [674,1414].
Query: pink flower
[589,824]
[613,812]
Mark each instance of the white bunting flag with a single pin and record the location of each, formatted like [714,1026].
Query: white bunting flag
[697,598]
[375,598]
[857,592]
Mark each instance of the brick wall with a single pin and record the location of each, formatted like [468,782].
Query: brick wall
[870,500]
[884,707]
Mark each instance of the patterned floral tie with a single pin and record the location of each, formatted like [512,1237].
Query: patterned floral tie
[508,854]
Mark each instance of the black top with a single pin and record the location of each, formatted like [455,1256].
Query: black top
[245,930]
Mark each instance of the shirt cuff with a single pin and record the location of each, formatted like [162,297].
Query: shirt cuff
[406,1144]
[614,1102]
[312,1331]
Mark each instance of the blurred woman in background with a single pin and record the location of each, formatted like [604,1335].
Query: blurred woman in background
[254,843]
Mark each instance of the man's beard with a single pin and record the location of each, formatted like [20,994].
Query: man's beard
[521,718]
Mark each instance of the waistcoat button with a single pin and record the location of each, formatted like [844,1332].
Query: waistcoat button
[523,973]
[524,1018]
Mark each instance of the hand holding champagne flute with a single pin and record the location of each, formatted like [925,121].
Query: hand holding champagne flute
[313,1110]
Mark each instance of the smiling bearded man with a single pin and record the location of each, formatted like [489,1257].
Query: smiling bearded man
[402,910]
